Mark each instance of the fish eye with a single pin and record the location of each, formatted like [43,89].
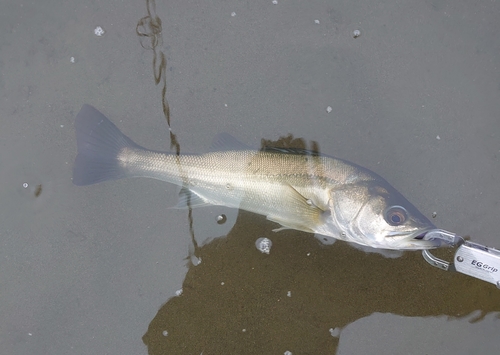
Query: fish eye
[395,215]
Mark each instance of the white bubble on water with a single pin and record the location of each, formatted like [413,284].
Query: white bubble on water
[233,14]
[334,332]
[329,109]
[195,260]
[263,245]
[221,219]
[356,33]
[99,31]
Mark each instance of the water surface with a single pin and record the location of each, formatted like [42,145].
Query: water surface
[96,269]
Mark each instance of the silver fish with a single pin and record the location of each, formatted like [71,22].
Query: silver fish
[296,188]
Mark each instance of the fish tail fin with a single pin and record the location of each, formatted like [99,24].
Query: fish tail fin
[99,144]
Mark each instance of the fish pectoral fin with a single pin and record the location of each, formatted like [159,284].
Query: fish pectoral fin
[302,213]
[302,205]
[189,198]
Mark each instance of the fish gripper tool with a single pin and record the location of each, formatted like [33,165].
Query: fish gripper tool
[473,259]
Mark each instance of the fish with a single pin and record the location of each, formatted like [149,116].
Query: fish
[296,188]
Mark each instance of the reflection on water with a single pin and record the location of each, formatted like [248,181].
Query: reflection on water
[149,30]
[235,301]
[239,300]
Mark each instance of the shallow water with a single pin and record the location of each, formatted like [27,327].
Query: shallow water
[96,269]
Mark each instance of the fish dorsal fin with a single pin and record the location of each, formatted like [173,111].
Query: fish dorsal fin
[225,141]
[299,151]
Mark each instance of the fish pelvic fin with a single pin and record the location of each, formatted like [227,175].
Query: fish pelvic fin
[99,144]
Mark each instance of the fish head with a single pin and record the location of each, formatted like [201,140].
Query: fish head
[374,214]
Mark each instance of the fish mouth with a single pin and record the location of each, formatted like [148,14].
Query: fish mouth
[436,238]
[423,243]
[421,235]
[417,235]
[440,237]
[420,240]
